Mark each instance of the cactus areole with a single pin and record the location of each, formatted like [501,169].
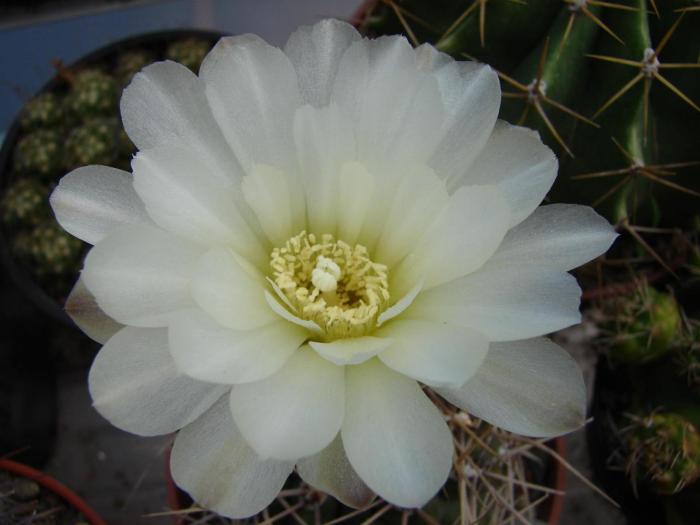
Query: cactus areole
[308,236]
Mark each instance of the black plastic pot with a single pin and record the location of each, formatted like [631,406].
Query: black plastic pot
[157,42]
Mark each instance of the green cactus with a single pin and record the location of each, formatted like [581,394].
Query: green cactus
[24,203]
[92,93]
[95,142]
[130,63]
[48,250]
[611,86]
[189,52]
[642,327]
[663,451]
[39,153]
[43,111]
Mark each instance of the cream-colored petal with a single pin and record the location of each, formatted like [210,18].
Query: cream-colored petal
[530,387]
[395,107]
[294,413]
[166,104]
[437,354]
[315,51]
[516,159]
[356,187]
[207,351]
[135,385]
[395,438]
[92,201]
[182,196]
[331,472]
[503,304]
[471,96]
[351,351]
[82,308]
[277,201]
[419,197]
[213,463]
[230,292]
[460,240]
[140,275]
[556,236]
[253,92]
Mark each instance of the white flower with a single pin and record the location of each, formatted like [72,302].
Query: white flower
[308,234]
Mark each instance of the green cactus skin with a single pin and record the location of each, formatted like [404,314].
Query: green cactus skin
[39,153]
[130,63]
[48,250]
[652,125]
[664,452]
[43,111]
[94,142]
[24,203]
[189,52]
[646,326]
[92,93]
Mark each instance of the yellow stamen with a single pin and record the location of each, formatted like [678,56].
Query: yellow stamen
[331,283]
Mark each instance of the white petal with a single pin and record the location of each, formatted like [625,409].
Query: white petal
[461,239]
[436,354]
[165,104]
[135,385]
[183,197]
[399,306]
[82,308]
[471,95]
[356,187]
[282,312]
[419,197]
[504,305]
[331,472]
[207,351]
[395,107]
[229,291]
[351,351]
[252,90]
[296,412]
[516,159]
[213,463]
[395,438]
[324,141]
[557,236]
[315,52]
[277,200]
[92,201]
[140,275]
[530,387]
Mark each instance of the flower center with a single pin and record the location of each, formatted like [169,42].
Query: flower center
[331,283]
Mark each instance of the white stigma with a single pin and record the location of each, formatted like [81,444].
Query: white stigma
[326,274]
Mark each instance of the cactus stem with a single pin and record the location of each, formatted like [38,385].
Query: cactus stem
[458,21]
[612,191]
[676,91]
[611,5]
[632,230]
[404,23]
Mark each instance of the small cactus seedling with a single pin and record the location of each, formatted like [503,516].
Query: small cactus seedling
[92,93]
[39,154]
[189,52]
[663,451]
[24,203]
[44,111]
[94,142]
[642,327]
[48,250]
